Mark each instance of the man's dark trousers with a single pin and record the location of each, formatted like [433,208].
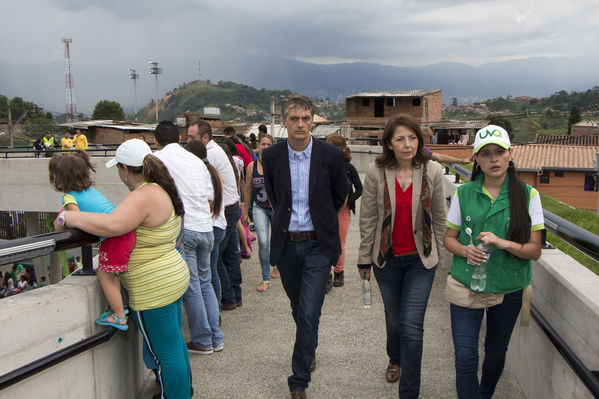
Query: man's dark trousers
[304,272]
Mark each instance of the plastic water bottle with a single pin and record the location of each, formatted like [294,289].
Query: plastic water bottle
[478,283]
[366,293]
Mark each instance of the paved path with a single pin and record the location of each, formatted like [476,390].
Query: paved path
[351,356]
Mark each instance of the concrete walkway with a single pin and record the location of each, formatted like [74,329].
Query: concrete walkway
[351,355]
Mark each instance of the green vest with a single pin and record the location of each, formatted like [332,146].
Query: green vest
[48,142]
[505,272]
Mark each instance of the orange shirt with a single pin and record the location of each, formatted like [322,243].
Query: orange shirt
[403,237]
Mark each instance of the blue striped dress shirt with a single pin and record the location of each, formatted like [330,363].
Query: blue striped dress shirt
[299,168]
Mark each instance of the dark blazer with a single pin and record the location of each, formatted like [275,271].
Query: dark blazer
[327,192]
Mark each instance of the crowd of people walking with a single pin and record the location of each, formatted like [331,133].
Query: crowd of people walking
[179,237]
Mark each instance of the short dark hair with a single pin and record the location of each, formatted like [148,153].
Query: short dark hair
[166,133]
[295,101]
[203,128]
[229,131]
[262,128]
[71,171]
[387,158]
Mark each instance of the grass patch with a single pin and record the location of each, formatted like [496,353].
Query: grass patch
[587,220]
[569,250]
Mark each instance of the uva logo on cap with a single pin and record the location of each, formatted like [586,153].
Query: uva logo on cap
[487,133]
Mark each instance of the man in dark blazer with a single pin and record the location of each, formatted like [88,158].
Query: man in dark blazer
[306,186]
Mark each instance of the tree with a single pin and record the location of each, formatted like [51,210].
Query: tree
[107,109]
[500,120]
[574,118]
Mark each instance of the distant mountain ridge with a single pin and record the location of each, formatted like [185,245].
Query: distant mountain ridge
[536,77]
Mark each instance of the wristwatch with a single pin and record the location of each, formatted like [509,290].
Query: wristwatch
[61,220]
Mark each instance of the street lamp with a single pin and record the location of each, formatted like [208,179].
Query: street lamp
[154,70]
[134,76]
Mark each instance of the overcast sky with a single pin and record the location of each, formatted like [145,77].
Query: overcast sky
[392,32]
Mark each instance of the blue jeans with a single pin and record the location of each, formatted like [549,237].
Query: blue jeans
[219,235]
[199,300]
[405,286]
[304,273]
[262,221]
[163,340]
[229,262]
[465,328]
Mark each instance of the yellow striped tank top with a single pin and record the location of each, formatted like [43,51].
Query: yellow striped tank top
[157,273]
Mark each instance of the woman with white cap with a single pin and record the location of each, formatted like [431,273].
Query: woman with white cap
[505,215]
[157,276]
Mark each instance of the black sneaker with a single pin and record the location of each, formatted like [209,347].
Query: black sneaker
[329,284]
[338,282]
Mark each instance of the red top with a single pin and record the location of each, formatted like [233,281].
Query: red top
[247,158]
[403,238]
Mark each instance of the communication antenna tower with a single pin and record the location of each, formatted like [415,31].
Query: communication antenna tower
[71,109]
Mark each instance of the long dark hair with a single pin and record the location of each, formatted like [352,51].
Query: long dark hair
[339,141]
[154,171]
[520,223]
[227,151]
[387,158]
[197,148]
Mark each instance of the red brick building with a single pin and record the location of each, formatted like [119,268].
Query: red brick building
[585,128]
[375,108]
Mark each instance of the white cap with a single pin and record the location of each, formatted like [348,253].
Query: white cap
[491,134]
[131,153]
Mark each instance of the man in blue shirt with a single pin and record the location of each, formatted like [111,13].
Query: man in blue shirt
[306,186]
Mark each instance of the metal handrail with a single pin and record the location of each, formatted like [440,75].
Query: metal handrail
[588,377]
[41,245]
[20,249]
[52,359]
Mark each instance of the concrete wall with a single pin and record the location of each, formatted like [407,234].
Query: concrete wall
[567,295]
[40,322]
[24,185]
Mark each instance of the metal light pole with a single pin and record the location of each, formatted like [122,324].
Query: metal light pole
[154,70]
[134,76]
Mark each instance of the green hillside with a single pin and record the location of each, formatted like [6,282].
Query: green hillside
[234,100]
[531,116]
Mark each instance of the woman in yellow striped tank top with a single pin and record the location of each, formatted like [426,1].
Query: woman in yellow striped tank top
[157,276]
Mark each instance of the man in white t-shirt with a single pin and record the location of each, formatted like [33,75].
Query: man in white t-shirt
[194,186]
[229,263]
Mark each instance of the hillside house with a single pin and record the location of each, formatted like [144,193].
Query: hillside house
[564,172]
[585,128]
[367,113]
[376,107]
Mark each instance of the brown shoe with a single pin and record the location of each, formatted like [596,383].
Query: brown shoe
[313,365]
[229,306]
[393,372]
[298,395]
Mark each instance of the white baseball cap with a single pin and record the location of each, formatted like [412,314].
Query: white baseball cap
[131,153]
[491,134]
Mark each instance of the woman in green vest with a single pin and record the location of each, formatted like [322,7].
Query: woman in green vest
[498,210]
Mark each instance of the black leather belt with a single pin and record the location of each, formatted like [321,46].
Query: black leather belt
[301,235]
[232,206]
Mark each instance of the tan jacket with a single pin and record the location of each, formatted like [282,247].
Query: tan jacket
[372,209]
